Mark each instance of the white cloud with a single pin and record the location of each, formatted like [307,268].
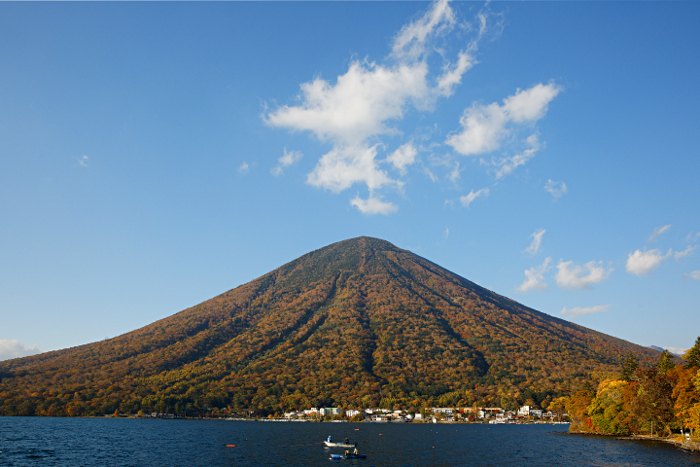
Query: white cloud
[485,126]
[243,168]
[687,252]
[365,103]
[410,42]
[403,157]
[344,166]
[693,275]
[373,205]
[357,105]
[690,238]
[570,276]
[508,164]
[556,189]
[658,231]
[446,234]
[643,262]
[454,175]
[534,277]
[452,76]
[83,161]
[12,348]
[433,178]
[287,159]
[466,200]
[536,242]
[574,312]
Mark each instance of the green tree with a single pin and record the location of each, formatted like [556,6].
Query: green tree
[665,363]
[629,366]
[692,356]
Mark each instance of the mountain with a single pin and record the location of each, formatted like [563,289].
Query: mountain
[661,349]
[357,323]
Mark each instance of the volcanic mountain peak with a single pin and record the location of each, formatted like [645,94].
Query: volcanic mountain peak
[349,324]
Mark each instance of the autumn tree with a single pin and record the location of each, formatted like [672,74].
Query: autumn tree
[653,402]
[577,407]
[685,395]
[607,408]
[558,405]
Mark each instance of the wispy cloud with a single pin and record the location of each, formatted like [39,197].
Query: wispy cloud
[83,161]
[536,242]
[403,157]
[643,262]
[288,158]
[12,348]
[534,277]
[428,173]
[574,312]
[410,42]
[454,175]
[658,232]
[373,205]
[556,189]
[466,200]
[243,168]
[508,164]
[574,277]
[693,275]
[687,252]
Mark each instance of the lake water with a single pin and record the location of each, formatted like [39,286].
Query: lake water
[34,441]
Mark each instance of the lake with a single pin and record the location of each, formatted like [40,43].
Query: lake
[33,441]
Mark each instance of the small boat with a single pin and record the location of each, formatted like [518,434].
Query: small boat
[331,444]
[337,457]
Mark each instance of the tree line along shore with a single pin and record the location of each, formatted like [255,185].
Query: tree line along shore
[653,402]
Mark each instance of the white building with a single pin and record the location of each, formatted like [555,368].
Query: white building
[330,411]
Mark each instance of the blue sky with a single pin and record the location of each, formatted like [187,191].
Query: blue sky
[154,155]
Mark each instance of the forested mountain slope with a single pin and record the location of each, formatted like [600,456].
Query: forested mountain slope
[355,324]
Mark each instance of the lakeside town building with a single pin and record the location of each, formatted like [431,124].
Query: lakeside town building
[435,414]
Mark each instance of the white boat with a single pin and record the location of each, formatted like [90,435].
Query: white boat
[331,444]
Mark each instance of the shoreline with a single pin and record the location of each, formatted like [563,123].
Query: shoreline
[678,441]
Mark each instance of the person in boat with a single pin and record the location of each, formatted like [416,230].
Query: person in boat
[329,439]
[347,453]
[347,441]
[354,453]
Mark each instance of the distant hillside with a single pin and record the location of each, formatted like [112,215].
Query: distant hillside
[355,324]
[661,349]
